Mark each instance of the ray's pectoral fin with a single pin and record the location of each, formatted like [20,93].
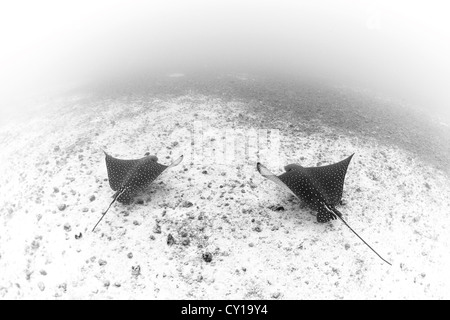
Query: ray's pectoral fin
[176,162]
[329,179]
[118,170]
[269,175]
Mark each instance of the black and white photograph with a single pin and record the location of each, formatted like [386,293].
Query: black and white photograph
[252,151]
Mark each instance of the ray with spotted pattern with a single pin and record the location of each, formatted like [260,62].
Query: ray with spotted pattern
[319,187]
[127,177]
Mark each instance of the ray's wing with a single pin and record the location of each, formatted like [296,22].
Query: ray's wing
[329,179]
[176,162]
[154,169]
[146,171]
[269,175]
[117,170]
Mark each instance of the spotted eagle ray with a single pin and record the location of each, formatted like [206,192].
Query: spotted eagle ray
[319,187]
[126,177]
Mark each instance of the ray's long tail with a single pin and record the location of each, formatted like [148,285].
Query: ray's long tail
[339,215]
[104,213]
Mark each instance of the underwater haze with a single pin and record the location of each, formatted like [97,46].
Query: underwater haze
[396,48]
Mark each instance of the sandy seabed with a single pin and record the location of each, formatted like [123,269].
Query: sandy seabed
[262,242]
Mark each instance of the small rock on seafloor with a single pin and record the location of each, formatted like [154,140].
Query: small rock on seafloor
[157,228]
[170,240]
[257,229]
[41,286]
[276,208]
[136,270]
[207,256]
[186,204]
[276,295]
